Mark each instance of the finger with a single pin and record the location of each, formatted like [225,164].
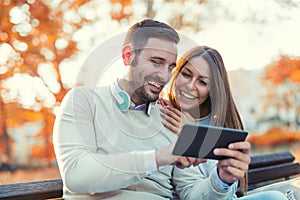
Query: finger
[199,161]
[195,161]
[171,119]
[242,146]
[230,175]
[179,165]
[234,173]
[233,153]
[163,102]
[183,162]
[171,127]
[191,160]
[234,163]
[169,114]
[173,112]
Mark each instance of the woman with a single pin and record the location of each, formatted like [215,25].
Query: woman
[200,93]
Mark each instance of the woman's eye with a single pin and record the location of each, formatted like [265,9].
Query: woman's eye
[185,74]
[202,82]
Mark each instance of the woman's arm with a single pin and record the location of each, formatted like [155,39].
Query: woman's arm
[200,183]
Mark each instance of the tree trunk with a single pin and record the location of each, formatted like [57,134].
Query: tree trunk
[5,145]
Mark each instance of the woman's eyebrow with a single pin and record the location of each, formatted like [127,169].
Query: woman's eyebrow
[201,76]
[185,67]
[204,77]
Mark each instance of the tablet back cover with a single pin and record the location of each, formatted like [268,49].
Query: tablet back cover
[200,140]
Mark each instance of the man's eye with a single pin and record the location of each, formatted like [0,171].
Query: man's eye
[171,68]
[155,62]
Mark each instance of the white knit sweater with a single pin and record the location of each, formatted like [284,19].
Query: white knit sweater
[100,151]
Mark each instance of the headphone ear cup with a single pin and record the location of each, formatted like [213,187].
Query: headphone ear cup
[125,104]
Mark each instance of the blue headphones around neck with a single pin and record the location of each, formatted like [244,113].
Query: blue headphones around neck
[122,98]
[123,101]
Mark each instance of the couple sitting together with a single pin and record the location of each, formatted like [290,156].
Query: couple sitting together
[116,142]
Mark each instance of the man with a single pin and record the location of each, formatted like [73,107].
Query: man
[110,142]
[105,138]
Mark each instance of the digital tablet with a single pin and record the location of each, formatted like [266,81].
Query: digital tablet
[199,141]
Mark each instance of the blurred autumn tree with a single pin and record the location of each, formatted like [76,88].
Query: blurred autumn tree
[35,36]
[36,39]
[283,80]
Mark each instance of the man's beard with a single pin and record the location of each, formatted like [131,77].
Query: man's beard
[146,97]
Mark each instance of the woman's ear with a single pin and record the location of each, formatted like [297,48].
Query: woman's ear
[127,55]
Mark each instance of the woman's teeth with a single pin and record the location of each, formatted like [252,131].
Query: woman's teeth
[187,95]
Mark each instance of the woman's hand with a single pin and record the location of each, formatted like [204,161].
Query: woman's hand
[163,102]
[236,166]
[175,119]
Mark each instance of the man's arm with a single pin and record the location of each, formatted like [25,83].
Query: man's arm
[82,168]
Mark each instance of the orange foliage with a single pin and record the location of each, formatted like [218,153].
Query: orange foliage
[279,72]
[45,152]
[46,27]
[38,152]
[59,96]
[78,3]
[295,76]
[274,136]
[16,116]
[29,175]
[121,9]
[285,68]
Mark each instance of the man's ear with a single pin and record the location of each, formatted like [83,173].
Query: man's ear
[127,55]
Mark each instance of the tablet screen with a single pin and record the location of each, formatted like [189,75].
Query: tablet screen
[199,141]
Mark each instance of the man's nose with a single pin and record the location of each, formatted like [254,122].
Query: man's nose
[164,74]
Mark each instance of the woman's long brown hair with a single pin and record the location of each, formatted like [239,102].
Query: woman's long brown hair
[220,103]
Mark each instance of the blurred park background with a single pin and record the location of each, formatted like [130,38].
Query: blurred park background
[43,44]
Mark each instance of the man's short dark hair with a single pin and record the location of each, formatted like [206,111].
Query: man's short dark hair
[139,34]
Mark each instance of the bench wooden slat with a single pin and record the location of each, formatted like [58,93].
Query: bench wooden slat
[271,159]
[32,190]
[272,172]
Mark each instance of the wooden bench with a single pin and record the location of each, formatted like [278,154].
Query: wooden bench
[48,189]
[263,170]
[269,168]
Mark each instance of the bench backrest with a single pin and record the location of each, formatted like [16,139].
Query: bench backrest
[269,167]
[32,190]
